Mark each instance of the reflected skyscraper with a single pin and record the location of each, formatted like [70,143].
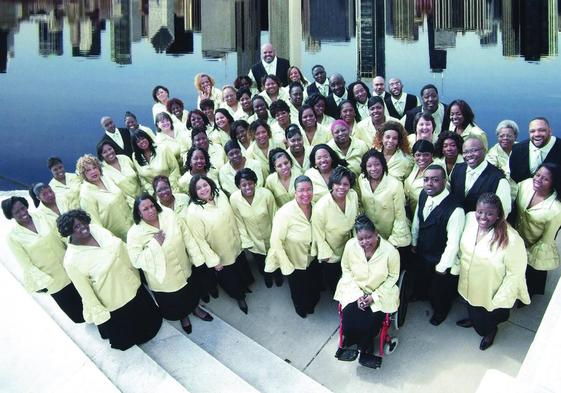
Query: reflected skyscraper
[437,57]
[218,28]
[10,15]
[285,29]
[50,34]
[332,20]
[160,24]
[403,20]
[121,32]
[248,34]
[371,38]
[85,29]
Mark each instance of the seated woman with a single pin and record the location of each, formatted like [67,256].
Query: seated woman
[367,291]
[222,126]
[423,151]
[240,133]
[160,95]
[113,297]
[461,121]
[230,101]
[332,223]
[237,162]
[323,160]
[290,251]
[424,126]
[206,89]
[172,139]
[318,103]
[178,113]
[359,94]
[196,163]
[215,151]
[254,208]
[262,144]
[296,150]
[120,170]
[492,266]
[281,180]
[46,201]
[391,140]
[245,108]
[498,155]
[39,250]
[272,89]
[162,246]
[448,149]
[314,133]
[66,186]
[214,227]
[178,202]
[102,199]
[538,220]
[383,200]
[151,161]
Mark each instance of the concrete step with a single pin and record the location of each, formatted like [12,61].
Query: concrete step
[37,353]
[248,359]
[194,368]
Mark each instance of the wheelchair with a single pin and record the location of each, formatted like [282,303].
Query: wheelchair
[387,343]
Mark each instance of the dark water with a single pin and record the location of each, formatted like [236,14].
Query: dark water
[66,63]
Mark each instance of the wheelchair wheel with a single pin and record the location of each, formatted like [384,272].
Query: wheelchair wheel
[390,346]
[399,317]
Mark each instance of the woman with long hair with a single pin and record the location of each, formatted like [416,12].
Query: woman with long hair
[392,141]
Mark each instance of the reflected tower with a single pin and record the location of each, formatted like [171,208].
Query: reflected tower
[285,29]
[50,34]
[218,30]
[248,34]
[121,32]
[403,20]
[371,38]
[160,24]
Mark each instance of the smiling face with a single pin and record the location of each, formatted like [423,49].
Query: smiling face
[245,101]
[474,154]
[296,96]
[58,172]
[147,210]
[323,161]
[304,193]
[221,121]
[20,213]
[379,85]
[543,181]
[424,130]
[47,196]
[294,74]
[309,118]
[360,93]
[282,118]
[348,113]
[164,123]
[374,169]
[319,75]
[283,167]
[396,88]
[319,108]
[295,144]
[377,113]
[422,159]
[430,100]
[260,108]
[142,143]
[261,136]
[209,112]
[80,231]
[268,53]
[241,134]
[201,141]
[456,116]
[197,121]
[247,188]
[367,240]
[162,95]
[176,110]
[341,134]
[204,191]
[92,173]
[486,215]
[337,85]
[131,123]
[390,140]
[506,138]
[206,83]
[271,87]
[163,192]
[340,190]
[229,96]
[540,133]
[108,154]
[235,157]
[198,161]
[450,149]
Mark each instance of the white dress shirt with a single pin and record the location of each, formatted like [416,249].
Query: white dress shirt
[503,188]
[116,137]
[537,155]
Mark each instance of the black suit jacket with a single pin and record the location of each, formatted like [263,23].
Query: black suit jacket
[519,161]
[410,115]
[410,103]
[125,134]
[259,72]
[331,107]
[313,89]
[488,181]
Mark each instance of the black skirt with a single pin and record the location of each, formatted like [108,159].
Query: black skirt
[179,304]
[69,301]
[135,323]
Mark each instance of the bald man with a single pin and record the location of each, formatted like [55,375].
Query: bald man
[379,86]
[269,64]
[119,139]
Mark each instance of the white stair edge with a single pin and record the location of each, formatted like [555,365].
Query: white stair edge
[38,355]
[189,364]
[249,359]
[131,371]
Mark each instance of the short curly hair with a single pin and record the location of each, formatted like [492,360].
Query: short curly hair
[8,205]
[65,222]
[87,159]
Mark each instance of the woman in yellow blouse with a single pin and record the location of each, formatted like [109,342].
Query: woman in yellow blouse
[383,200]
[461,121]
[237,162]
[162,246]
[197,119]
[492,265]
[318,103]
[171,138]
[448,149]
[120,169]
[538,206]
[160,95]
[245,107]
[499,155]
[272,89]
[197,162]
[114,299]
[229,100]
[392,141]
[65,185]
[178,202]
[291,246]
[359,93]
[376,118]
[323,160]
[296,150]
[424,125]
[46,201]
[39,250]
[214,227]
[332,223]
[367,291]
[254,208]
[240,132]
[215,151]
[423,151]
[314,133]
[262,144]
[206,89]
[222,125]
[102,199]
[347,113]
[281,180]
[151,161]
[179,114]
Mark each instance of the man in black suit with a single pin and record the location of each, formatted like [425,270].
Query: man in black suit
[436,231]
[269,64]
[320,84]
[476,176]
[338,94]
[528,155]
[119,139]
[398,102]
[379,87]
[431,104]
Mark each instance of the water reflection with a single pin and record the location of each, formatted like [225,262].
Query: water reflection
[527,29]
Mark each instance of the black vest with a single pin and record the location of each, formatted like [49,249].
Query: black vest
[258,71]
[487,182]
[410,103]
[432,238]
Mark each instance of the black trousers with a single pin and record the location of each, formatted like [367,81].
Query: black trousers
[361,327]
[332,274]
[304,288]
[439,289]
[69,301]
[260,262]
[535,280]
[235,278]
[485,322]
[205,278]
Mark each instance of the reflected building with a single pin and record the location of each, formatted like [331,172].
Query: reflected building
[161,24]
[403,20]
[248,34]
[121,32]
[10,15]
[331,20]
[218,28]
[285,29]
[85,29]
[50,34]
[371,38]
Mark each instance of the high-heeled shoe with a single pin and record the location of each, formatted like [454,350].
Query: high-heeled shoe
[202,314]
[242,305]
[187,328]
[487,340]
[214,293]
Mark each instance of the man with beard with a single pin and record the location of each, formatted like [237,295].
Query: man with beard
[269,64]
[398,102]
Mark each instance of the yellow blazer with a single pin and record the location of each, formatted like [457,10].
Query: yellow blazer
[126,179]
[281,194]
[164,163]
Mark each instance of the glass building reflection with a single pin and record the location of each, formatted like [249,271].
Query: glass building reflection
[524,29]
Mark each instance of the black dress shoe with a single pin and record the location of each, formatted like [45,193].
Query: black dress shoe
[214,293]
[242,305]
[437,319]
[205,298]
[207,317]
[348,354]
[279,279]
[187,328]
[465,323]
[247,290]
[369,360]
[268,281]
[487,340]
[301,312]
